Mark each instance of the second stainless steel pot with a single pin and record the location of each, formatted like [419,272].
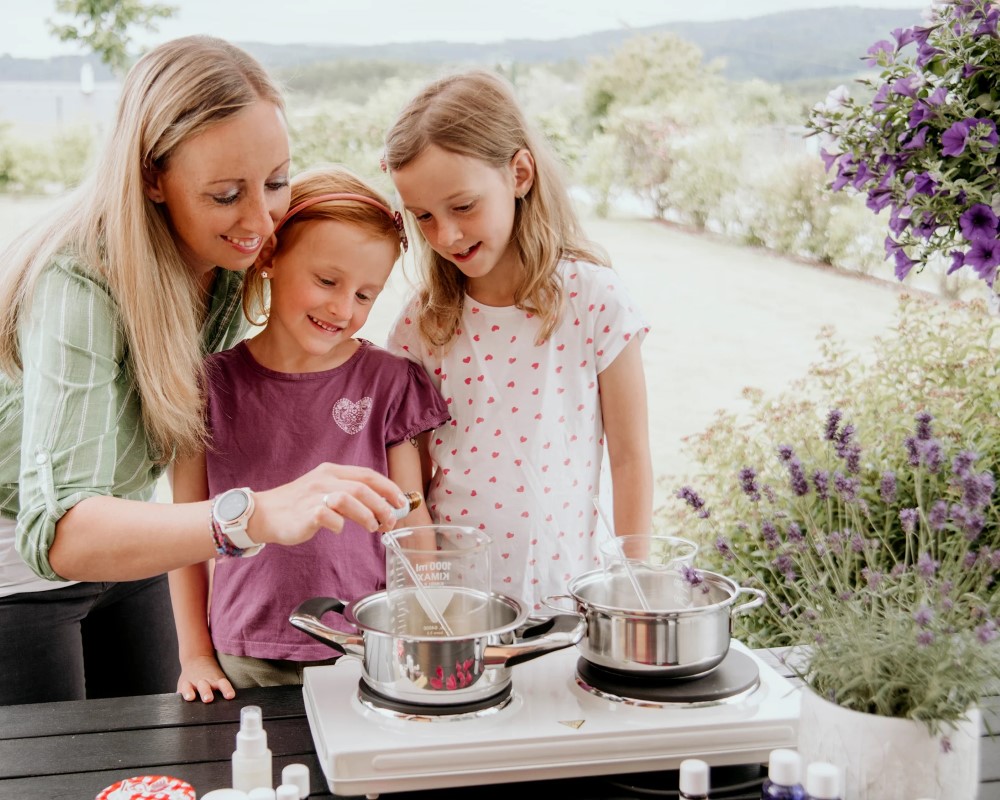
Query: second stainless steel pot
[470,666]
[685,633]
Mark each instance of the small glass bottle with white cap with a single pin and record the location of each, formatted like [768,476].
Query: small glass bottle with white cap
[784,775]
[693,779]
[822,781]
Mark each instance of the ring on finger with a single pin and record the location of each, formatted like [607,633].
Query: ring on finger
[326,500]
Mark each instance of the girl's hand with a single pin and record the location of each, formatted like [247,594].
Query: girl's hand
[200,676]
[323,498]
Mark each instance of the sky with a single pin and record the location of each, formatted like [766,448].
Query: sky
[24,32]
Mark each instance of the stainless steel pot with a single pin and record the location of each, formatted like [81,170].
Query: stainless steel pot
[467,667]
[685,633]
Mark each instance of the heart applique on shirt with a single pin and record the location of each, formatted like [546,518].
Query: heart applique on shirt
[352,417]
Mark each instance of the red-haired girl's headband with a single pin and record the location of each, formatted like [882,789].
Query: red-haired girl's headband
[395,216]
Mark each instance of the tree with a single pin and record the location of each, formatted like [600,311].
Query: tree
[103,25]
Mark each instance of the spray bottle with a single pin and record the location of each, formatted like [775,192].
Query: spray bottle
[251,759]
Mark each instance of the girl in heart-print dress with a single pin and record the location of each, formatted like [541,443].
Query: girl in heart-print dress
[531,338]
[301,392]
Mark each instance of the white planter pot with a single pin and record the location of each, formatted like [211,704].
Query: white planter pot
[887,758]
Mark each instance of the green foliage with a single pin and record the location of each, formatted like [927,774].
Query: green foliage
[44,166]
[103,25]
[349,80]
[893,591]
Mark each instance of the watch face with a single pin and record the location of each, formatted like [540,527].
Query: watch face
[231,505]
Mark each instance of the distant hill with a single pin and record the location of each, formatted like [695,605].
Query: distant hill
[786,47]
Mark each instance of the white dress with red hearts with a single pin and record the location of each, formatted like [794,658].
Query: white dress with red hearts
[521,458]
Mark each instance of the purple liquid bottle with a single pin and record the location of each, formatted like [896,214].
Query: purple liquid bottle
[784,770]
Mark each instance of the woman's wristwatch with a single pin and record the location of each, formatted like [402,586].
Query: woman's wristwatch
[231,512]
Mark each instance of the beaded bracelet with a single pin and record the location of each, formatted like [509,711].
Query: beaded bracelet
[223,544]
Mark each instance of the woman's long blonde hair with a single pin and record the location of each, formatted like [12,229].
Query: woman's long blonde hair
[176,91]
[476,114]
[314,182]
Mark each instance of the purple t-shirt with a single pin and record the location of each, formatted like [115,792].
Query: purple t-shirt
[268,428]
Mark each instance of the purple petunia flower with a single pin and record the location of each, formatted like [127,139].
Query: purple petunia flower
[881,51]
[979,221]
[988,25]
[956,138]
[829,159]
[984,257]
[907,86]
[924,183]
[937,97]
[903,37]
[903,265]
[957,261]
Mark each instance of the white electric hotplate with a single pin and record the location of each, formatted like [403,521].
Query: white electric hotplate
[552,728]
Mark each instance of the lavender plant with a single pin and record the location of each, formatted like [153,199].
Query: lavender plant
[926,145]
[884,576]
[863,502]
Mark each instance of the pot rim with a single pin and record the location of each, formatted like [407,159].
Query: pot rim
[351,610]
[594,576]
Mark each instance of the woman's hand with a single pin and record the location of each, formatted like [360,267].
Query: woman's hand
[200,676]
[323,498]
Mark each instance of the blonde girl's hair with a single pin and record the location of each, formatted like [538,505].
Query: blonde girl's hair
[318,182]
[173,93]
[475,114]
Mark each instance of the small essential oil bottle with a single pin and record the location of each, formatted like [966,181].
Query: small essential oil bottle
[783,781]
[694,779]
[822,781]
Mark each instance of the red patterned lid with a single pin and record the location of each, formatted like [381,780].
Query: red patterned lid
[148,787]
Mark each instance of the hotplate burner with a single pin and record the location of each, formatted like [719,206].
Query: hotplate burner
[734,679]
[399,709]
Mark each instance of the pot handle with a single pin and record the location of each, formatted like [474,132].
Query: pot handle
[307,619]
[759,597]
[552,600]
[556,633]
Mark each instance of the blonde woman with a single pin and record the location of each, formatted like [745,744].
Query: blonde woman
[531,338]
[106,312]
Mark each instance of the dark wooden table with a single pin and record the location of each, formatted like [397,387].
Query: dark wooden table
[70,751]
